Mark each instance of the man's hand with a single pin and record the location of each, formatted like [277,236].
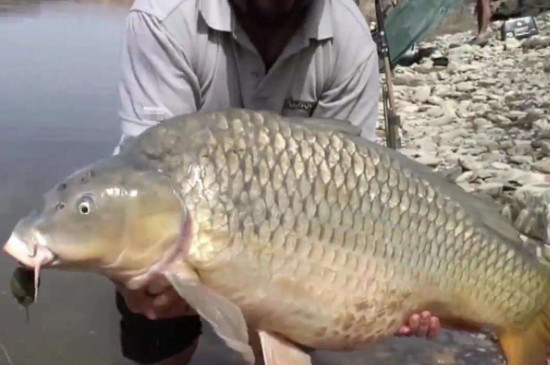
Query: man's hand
[159,300]
[421,325]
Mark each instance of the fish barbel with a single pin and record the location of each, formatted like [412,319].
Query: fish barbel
[297,229]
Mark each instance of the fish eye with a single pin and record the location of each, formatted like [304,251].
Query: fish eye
[85,205]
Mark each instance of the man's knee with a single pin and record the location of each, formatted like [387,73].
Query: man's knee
[148,341]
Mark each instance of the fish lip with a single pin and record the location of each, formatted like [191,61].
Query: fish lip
[19,251]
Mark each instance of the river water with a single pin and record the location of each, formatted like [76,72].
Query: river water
[59,68]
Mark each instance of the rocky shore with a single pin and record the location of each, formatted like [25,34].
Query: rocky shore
[483,120]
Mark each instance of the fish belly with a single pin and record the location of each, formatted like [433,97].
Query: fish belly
[311,305]
[352,305]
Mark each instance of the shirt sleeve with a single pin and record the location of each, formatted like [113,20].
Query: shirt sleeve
[158,81]
[354,95]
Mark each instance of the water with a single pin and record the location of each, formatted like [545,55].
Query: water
[59,68]
[58,111]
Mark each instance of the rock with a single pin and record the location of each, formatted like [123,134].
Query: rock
[495,156]
[435,112]
[521,159]
[421,94]
[546,67]
[520,148]
[447,356]
[470,164]
[516,114]
[451,174]
[425,67]
[522,177]
[537,41]
[463,339]
[465,86]
[512,43]
[441,90]
[490,144]
[429,160]
[527,119]
[487,82]
[545,147]
[542,165]
[407,79]
[481,123]
[541,125]
[447,137]
[435,100]
[467,176]
[408,108]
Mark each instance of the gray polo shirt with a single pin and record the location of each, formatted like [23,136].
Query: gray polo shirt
[182,56]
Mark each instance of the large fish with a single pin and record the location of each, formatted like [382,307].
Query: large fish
[296,229]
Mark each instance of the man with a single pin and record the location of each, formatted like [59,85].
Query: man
[293,57]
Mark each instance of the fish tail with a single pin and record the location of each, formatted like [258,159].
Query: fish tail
[528,346]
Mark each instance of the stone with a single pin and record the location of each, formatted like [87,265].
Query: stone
[465,86]
[421,94]
[481,123]
[447,356]
[521,148]
[542,165]
[541,125]
[467,176]
[512,43]
[441,89]
[492,189]
[537,41]
[428,160]
[516,114]
[470,164]
[521,159]
[545,147]
[435,112]
[494,156]
[407,79]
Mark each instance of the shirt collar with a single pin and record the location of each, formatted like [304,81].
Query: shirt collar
[218,15]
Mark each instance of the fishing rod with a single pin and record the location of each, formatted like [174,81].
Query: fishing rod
[391,118]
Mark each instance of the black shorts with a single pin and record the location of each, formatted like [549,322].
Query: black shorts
[146,341]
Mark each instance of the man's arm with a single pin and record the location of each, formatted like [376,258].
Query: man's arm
[354,93]
[158,81]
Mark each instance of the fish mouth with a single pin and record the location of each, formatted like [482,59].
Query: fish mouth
[35,257]
[30,256]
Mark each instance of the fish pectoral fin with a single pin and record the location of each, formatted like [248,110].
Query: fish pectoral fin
[279,351]
[225,317]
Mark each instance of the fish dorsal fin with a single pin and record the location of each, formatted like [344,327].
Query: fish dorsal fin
[487,213]
[327,124]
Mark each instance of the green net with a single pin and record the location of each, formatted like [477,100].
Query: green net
[411,20]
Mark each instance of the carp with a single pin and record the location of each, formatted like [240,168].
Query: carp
[296,230]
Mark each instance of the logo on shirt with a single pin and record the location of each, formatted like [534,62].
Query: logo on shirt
[300,105]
